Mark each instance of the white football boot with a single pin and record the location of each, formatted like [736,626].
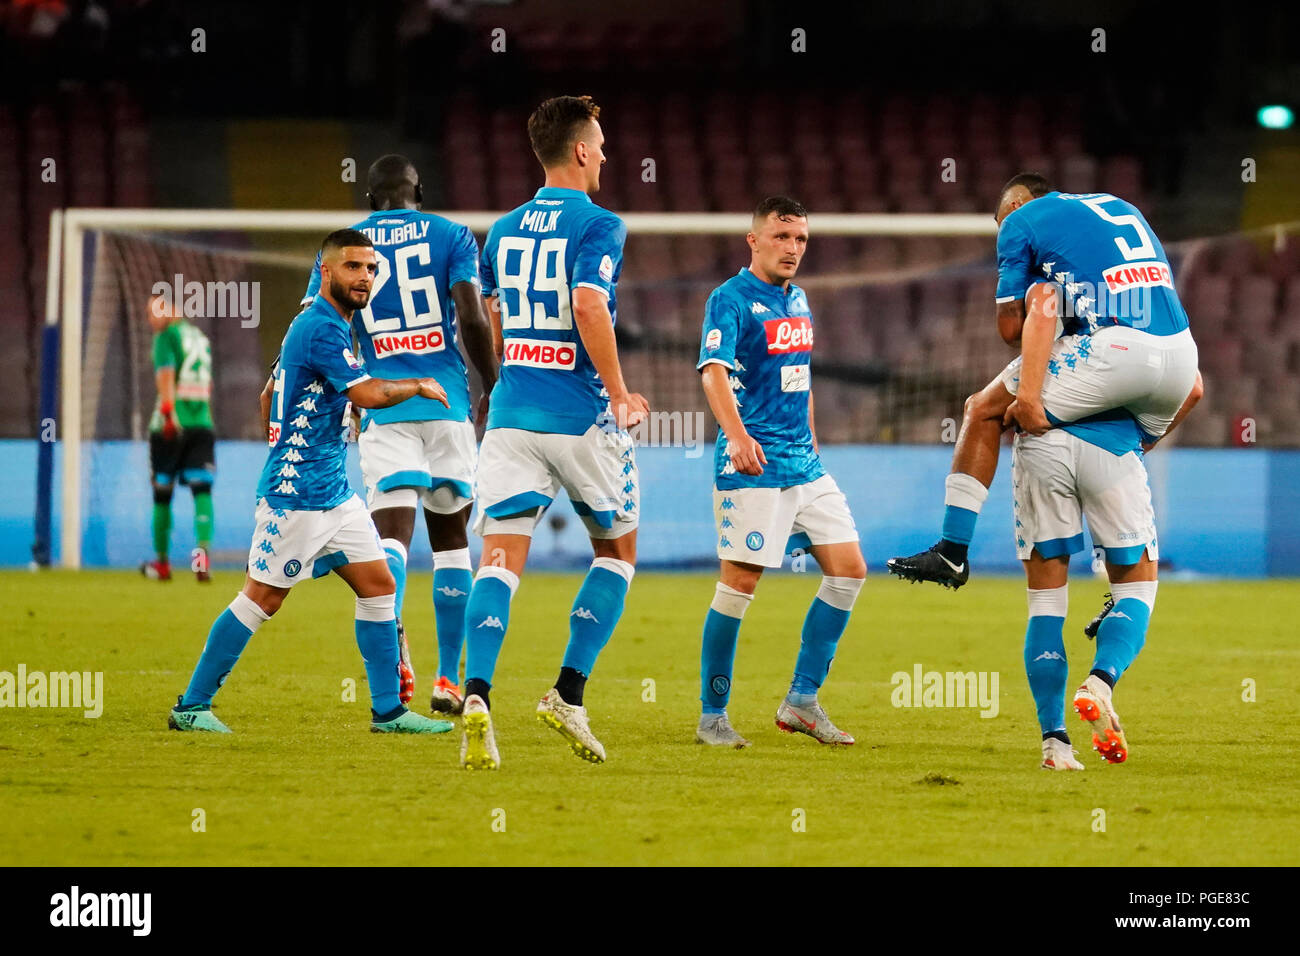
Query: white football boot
[478,745]
[811,721]
[716,730]
[1093,702]
[571,722]
[1058,755]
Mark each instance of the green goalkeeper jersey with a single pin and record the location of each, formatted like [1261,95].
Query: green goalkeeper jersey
[184,348]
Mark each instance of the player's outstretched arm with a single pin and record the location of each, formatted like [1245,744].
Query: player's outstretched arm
[596,329]
[746,453]
[383,392]
[477,335]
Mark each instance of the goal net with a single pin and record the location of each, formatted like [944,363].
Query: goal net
[902,305]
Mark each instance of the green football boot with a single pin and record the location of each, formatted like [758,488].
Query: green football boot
[197,717]
[409,722]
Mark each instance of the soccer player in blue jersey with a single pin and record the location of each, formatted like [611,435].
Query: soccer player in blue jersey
[558,420]
[425,299]
[771,493]
[1126,348]
[309,522]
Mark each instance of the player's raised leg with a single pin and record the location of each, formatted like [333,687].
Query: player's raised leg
[843,572]
[974,463]
[229,635]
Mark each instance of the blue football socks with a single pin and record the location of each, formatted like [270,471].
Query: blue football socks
[718,648]
[226,641]
[452,581]
[487,616]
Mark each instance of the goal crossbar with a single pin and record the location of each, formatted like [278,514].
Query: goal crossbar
[65,291]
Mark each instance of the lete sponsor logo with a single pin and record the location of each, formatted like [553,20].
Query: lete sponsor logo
[396,343]
[791,334]
[538,353]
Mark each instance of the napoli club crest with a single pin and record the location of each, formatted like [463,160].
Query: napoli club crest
[754,541]
[292,567]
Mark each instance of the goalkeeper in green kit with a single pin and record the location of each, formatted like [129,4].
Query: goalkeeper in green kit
[180,434]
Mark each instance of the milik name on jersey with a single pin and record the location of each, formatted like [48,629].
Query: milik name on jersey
[384,236]
[793,334]
[540,220]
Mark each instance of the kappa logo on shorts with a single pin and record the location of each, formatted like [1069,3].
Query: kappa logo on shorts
[754,541]
[292,568]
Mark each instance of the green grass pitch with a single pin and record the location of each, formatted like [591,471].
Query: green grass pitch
[1211,779]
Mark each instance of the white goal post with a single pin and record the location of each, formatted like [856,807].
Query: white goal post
[68,229]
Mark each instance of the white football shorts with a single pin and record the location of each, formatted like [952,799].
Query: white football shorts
[520,470]
[761,525]
[1116,367]
[435,457]
[289,546]
[1058,479]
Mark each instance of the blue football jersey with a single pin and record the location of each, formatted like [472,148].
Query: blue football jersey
[305,470]
[1100,251]
[409,328]
[533,259]
[763,334]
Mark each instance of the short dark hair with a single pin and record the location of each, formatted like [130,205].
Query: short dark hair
[783,206]
[341,238]
[1036,183]
[554,126]
[392,178]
